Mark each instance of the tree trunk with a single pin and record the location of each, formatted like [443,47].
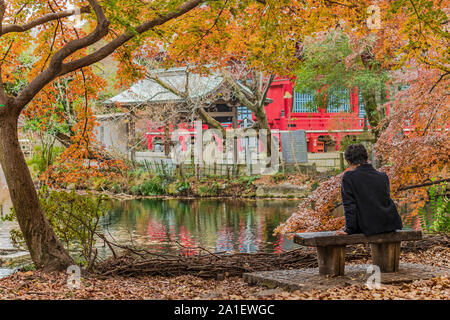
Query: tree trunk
[373,115]
[45,248]
[261,117]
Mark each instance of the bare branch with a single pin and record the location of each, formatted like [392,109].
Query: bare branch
[167,86]
[238,91]
[266,90]
[424,184]
[439,80]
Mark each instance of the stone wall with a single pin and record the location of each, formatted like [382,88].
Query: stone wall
[325,161]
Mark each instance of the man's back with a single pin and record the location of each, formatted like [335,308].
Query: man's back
[368,206]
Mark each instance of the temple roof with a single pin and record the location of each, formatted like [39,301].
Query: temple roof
[147,91]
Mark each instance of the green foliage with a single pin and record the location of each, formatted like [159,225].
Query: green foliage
[330,63]
[180,187]
[314,185]
[346,141]
[75,220]
[43,157]
[210,190]
[435,215]
[279,176]
[155,185]
[183,187]
[248,180]
[28,267]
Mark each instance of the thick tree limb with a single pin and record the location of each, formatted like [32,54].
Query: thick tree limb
[56,62]
[40,21]
[57,68]
[238,92]
[206,118]
[109,48]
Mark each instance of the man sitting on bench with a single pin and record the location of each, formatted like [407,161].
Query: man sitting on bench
[365,192]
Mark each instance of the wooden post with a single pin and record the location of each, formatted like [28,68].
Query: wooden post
[386,255]
[131,142]
[341,161]
[163,169]
[166,140]
[331,260]
[180,168]
[235,125]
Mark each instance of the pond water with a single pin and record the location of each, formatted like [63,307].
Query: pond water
[165,224]
[216,225]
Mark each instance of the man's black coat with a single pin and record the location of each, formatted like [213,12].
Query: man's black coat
[368,206]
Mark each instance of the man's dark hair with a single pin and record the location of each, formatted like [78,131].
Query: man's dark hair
[356,154]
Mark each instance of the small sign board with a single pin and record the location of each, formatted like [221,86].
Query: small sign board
[294,147]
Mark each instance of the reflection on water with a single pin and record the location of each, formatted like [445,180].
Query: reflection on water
[217,225]
[158,224]
[225,225]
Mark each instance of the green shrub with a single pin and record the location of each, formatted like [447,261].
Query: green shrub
[136,190]
[435,215]
[209,190]
[153,186]
[182,187]
[279,176]
[43,157]
[346,141]
[116,188]
[248,180]
[75,220]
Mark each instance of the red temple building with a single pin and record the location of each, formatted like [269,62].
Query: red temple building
[325,129]
[286,109]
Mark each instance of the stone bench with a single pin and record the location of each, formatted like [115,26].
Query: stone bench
[385,248]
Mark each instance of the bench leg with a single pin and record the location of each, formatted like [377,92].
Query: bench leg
[386,256]
[331,260]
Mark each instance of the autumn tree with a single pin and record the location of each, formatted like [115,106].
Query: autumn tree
[248,45]
[113,24]
[413,140]
[265,34]
[334,64]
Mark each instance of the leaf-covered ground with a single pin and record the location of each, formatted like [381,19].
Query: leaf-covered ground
[36,285]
